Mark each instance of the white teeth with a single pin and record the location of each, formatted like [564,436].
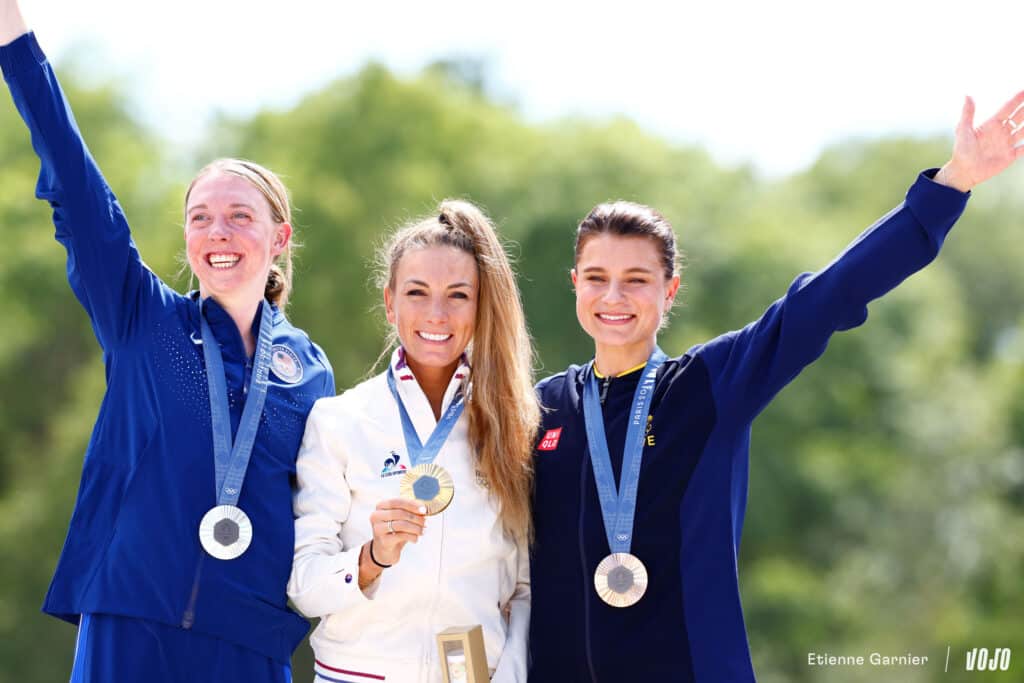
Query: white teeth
[434,337]
[605,316]
[222,260]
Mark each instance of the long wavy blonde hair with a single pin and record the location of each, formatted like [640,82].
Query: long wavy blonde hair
[501,404]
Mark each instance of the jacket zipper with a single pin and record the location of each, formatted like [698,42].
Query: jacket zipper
[428,658]
[246,377]
[583,565]
[189,617]
[605,383]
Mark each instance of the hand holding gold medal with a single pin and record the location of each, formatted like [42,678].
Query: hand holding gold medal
[430,485]
[394,523]
[426,482]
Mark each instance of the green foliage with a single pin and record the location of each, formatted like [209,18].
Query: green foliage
[887,484]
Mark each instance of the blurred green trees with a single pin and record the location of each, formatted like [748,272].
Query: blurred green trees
[886,504]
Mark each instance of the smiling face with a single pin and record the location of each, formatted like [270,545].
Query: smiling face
[433,306]
[622,295]
[230,237]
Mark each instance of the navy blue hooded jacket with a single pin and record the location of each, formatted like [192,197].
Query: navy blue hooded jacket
[693,480]
[132,548]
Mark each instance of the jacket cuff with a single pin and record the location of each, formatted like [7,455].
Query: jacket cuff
[21,54]
[936,206]
[333,588]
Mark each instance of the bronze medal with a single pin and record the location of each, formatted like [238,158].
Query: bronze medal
[621,579]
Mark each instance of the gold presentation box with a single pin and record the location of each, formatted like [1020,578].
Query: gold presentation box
[463,657]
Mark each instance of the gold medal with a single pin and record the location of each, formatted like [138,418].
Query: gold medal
[621,579]
[430,485]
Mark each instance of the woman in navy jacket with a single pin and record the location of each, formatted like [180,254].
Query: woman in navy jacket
[666,606]
[164,586]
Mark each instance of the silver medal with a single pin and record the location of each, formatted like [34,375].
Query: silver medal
[225,532]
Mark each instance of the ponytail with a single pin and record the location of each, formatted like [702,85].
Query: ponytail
[501,404]
[279,281]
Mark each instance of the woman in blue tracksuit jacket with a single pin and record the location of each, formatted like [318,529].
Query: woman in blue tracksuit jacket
[152,604]
[693,431]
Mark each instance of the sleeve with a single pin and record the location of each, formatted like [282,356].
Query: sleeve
[329,388]
[104,268]
[322,502]
[512,665]
[750,366]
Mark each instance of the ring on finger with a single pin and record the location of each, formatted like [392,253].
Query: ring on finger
[391,528]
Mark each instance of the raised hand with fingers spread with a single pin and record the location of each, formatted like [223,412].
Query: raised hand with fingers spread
[981,152]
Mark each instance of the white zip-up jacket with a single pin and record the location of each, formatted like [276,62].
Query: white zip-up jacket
[463,571]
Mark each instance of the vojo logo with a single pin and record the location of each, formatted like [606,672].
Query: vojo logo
[979,659]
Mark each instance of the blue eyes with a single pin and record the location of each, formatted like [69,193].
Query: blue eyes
[238,217]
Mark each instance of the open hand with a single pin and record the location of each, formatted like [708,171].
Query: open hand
[982,152]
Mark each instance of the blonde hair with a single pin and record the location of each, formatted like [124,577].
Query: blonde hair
[501,404]
[279,279]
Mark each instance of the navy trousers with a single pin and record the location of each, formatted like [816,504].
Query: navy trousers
[113,649]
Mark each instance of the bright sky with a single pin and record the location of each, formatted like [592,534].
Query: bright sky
[767,82]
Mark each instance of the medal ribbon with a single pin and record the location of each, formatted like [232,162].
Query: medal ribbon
[418,453]
[231,461]
[618,508]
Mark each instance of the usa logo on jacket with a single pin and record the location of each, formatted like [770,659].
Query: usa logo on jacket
[286,364]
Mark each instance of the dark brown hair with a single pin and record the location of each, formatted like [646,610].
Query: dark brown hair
[628,219]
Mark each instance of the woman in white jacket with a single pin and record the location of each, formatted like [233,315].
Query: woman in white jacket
[383,576]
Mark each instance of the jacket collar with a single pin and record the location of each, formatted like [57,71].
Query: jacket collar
[413,398]
[223,326]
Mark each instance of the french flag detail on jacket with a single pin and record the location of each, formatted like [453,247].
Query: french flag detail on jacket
[407,375]
[334,674]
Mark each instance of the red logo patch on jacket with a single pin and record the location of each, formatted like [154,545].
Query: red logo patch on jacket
[550,440]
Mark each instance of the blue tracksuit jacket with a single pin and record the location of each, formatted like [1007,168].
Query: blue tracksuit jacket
[132,548]
[693,481]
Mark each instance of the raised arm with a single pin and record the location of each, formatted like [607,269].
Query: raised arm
[750,366]
[12,24]
[103,265]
